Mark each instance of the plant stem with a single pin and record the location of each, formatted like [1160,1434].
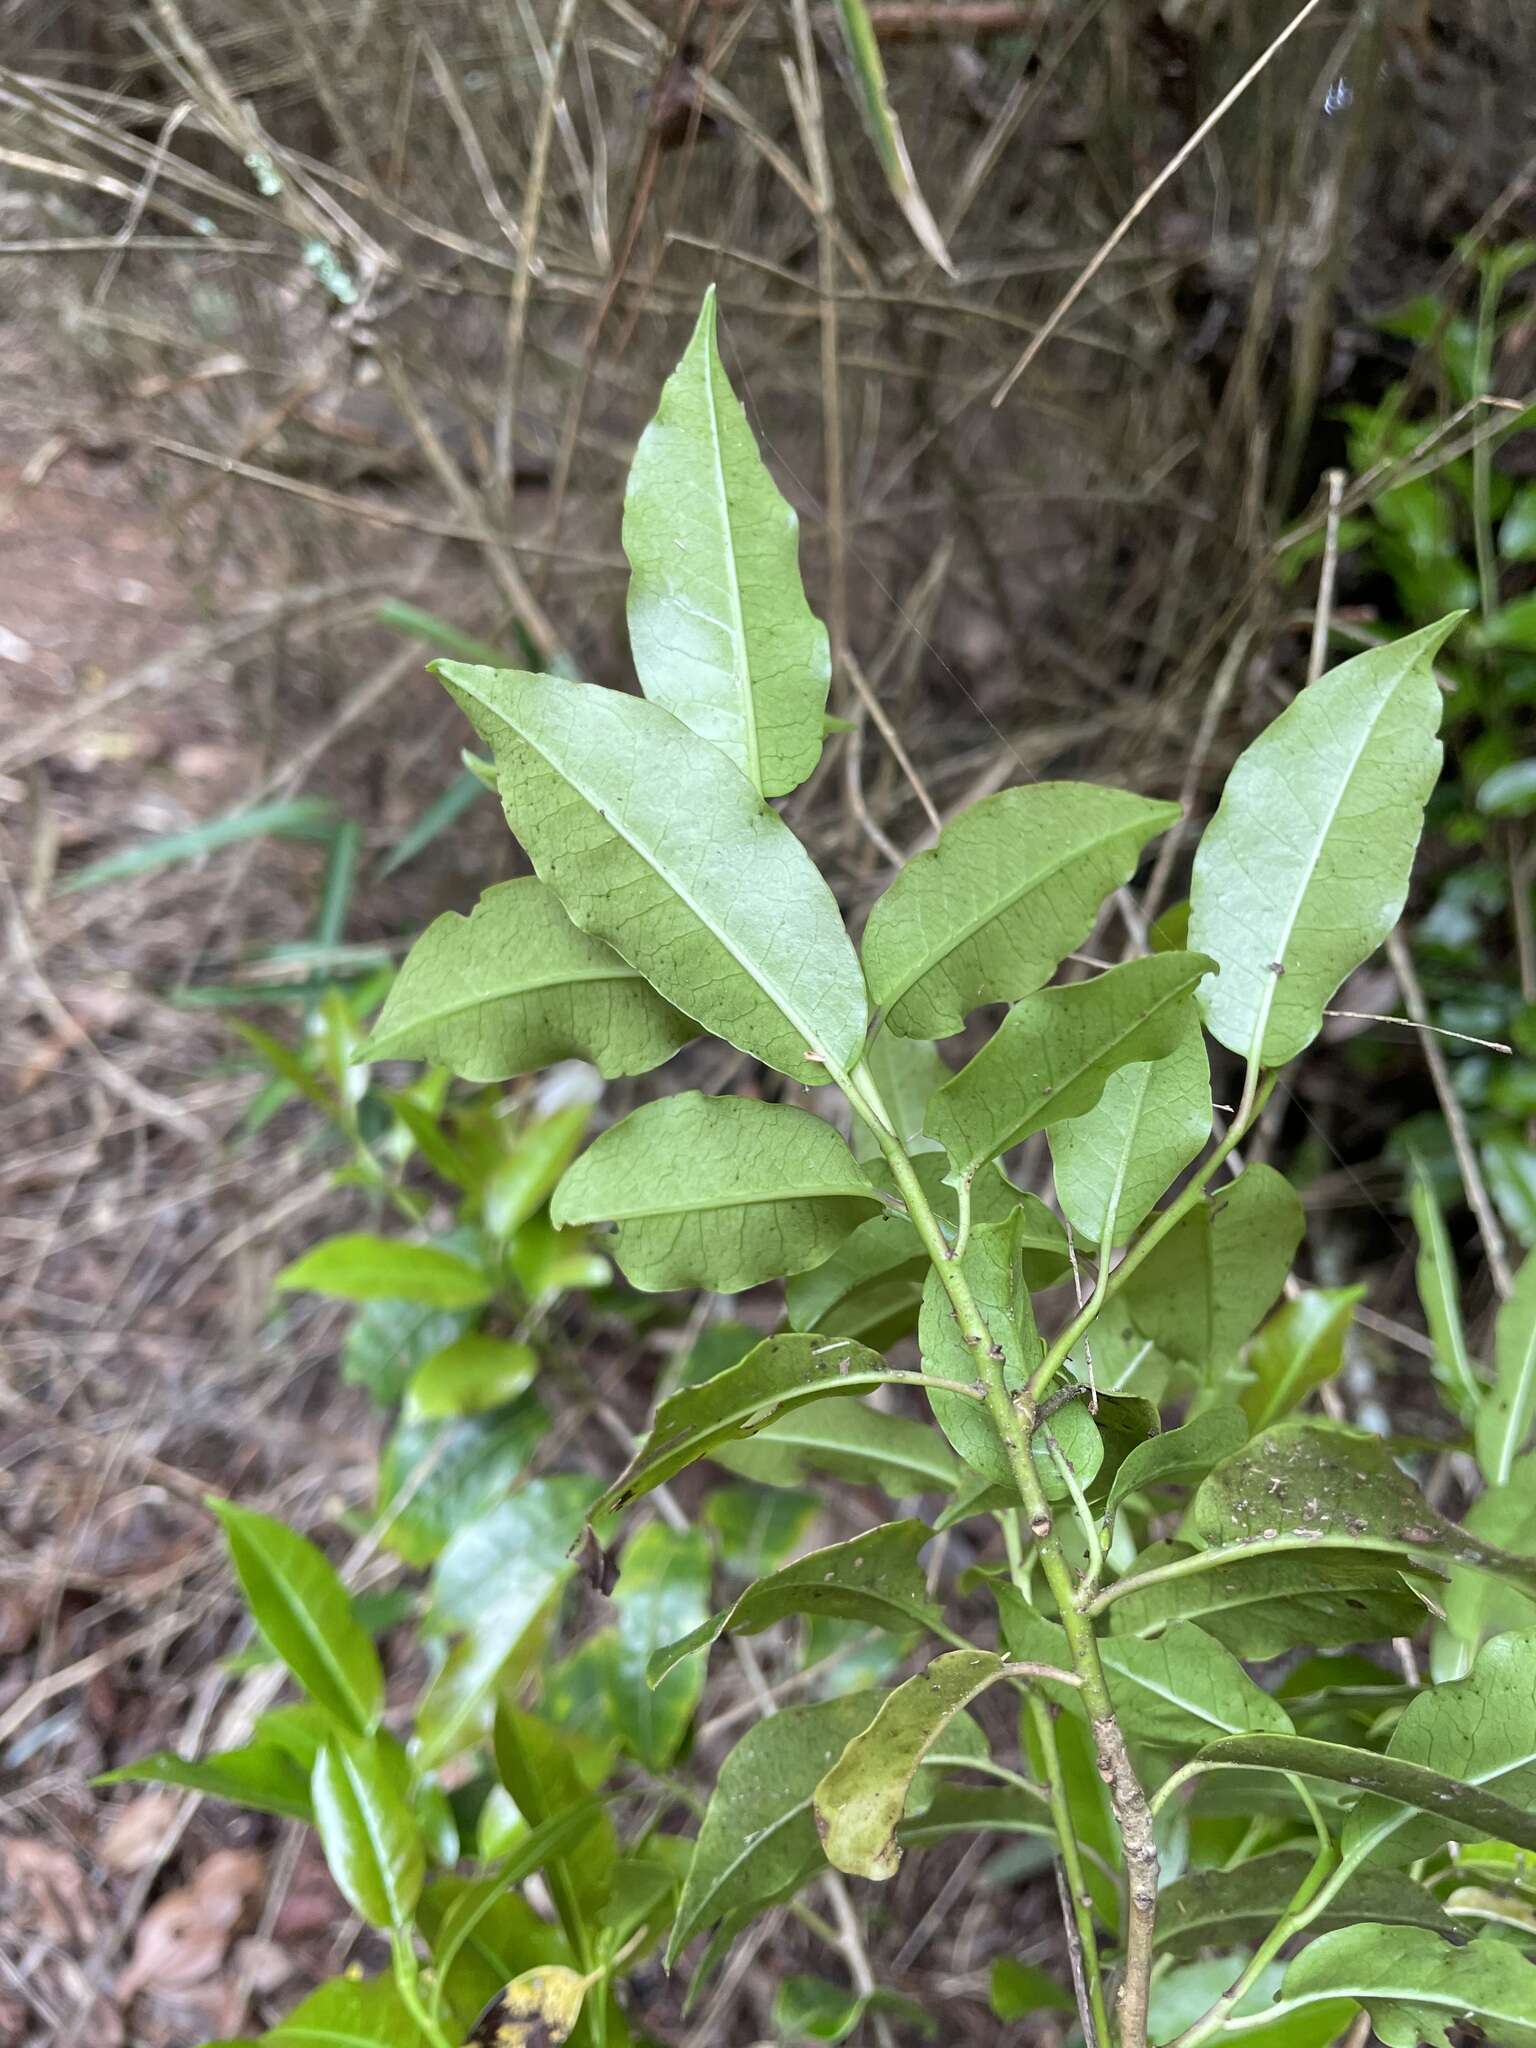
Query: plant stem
[1013,1417]
[1110,1282]
[407,1981]
[1095,2019]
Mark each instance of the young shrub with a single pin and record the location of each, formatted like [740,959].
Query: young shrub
[1146,1575]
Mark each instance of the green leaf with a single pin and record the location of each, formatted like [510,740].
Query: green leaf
[884,129]
[1151,1121]
[810,2009]
[303,1610]
[363,1268]
[1299,1348]
[1012,886]
[1179,1455]
[1304,869]
[1476,1605]
[347,2013]
[482,1932]
[847,1440]
[992,1268]
[517,1188]
[1480,1730]
[977,1810]
[515,986]
[874,1578]
[717,1191]
[538,1765]
[1178,1690]
[1200,1292]
[1052,1054]
[662,1592]
[496,1580]
[757,1527]
[860,1800]
[1505,1418]
[906,1071]
[434,1477]
[469,1376]
[263,1774]
[1018,1989]
[655,843]
[1395,1788]
[1416,1986]
[758,1843]
[1440,1295]
[721,633]
[1261,1606]
[1316,1483]
[1517,529]
[1209,1908]
[362,1796]
[293,818]
[778,1374]
[387,1340]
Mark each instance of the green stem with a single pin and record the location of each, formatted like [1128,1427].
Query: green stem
[1110,1282]
[408,1982]
[1013,1417]
[1073,1871]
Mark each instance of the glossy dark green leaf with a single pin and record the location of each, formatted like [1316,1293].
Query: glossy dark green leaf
[655,843]
[873,1578]
[778,1375]
[1201,1292]
[662,1593]
[1507,1416]
[1113,1164]
[718,623]
[1300,1348]
[757,1843]
[717,1191]
[860,1800]
[1304,869]
[1216,1908]
[514,987]
[1304,1483]
[1416,1987]
[472,1374]
[1053,1053]
[263,1774]
[363,1268]
[303,1610]
[521,1183]
[367,1825]
[1012,886]
[1179,1456]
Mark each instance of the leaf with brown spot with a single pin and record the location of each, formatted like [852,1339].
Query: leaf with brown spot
[537,2010]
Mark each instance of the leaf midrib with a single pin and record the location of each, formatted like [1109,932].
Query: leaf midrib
[712,1204]
[774,997]
[740,673]
[1320,839]
[620,971]
[316,1639]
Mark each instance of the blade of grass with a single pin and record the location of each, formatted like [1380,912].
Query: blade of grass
[884,128]
[443,812]
[299,818]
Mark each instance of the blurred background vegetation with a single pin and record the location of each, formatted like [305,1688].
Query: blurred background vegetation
[328,334]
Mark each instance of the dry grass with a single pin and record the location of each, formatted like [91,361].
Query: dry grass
[305,307]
